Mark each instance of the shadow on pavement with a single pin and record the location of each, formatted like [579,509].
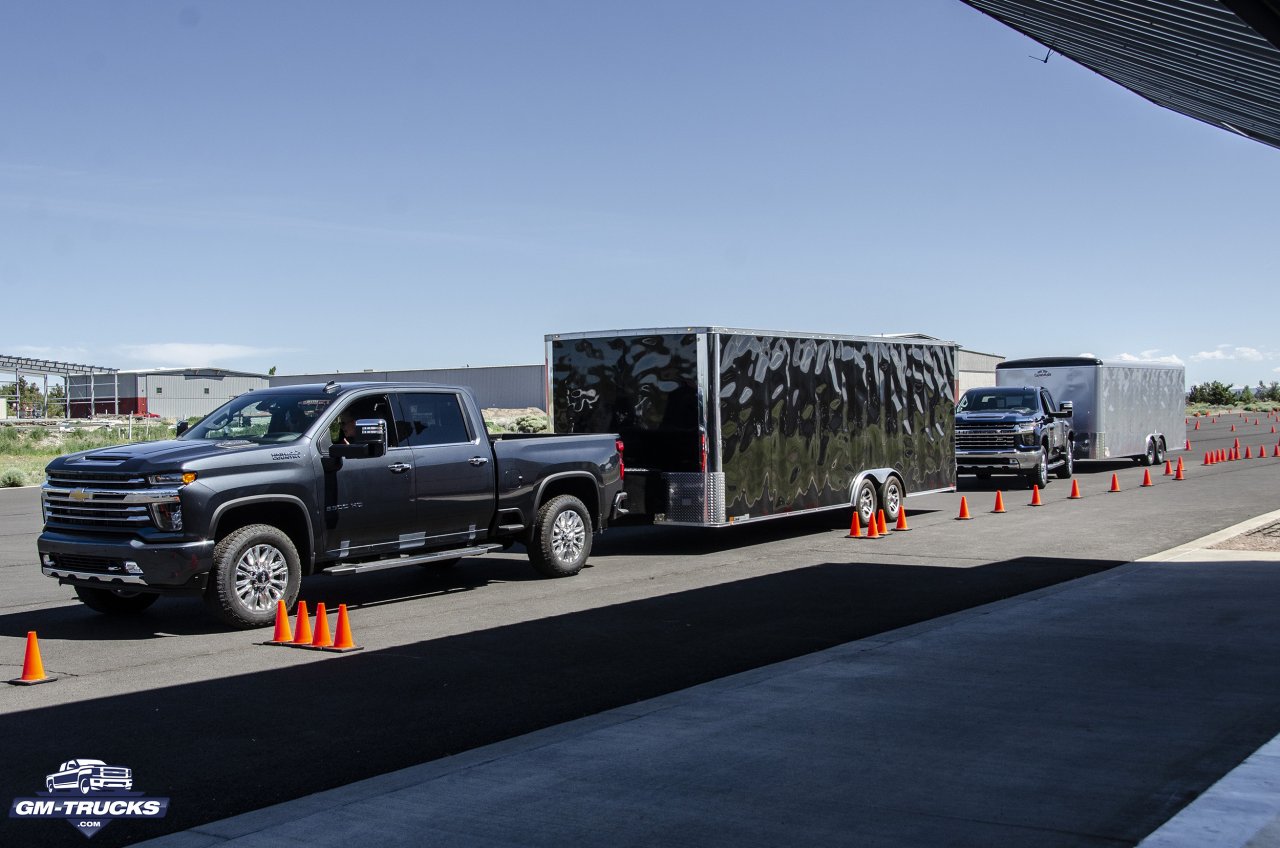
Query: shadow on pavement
[227,746]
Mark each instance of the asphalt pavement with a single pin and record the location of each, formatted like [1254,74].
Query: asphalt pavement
[1084,714]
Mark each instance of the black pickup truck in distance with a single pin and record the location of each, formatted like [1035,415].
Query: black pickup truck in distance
[284,482]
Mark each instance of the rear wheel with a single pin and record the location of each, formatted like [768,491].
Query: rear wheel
[1149,458]
[561,539]
[891,498]
[1068,462]
[1161,452]
[115,601]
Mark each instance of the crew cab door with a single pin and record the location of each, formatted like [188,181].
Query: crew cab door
[454,478]
[1056,427]
[368,502]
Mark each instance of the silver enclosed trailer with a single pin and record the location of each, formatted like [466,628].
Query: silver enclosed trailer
[1121,409]
[723,426]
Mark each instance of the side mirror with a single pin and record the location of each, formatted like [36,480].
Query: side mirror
[1065,409]
[369,440]
[183,426]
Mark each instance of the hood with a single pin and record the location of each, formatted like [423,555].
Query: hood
[993,418]
[167,455]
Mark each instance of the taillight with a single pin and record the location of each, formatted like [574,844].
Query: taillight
[622,469]
[704,453]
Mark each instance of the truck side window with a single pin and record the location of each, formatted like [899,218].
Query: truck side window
[433,418]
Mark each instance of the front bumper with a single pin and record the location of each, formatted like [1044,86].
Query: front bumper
[125,563]
[997,462]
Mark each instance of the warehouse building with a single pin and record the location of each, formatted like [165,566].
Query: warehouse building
[167,392]
[502,386]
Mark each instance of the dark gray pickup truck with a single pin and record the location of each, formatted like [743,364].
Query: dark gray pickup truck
[284,482]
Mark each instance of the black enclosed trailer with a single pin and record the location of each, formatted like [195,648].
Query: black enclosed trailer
[723,426]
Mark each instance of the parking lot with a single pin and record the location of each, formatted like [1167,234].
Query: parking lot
[486,652]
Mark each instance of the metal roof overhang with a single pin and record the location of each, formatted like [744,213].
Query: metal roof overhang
[14,364]
[1217,62]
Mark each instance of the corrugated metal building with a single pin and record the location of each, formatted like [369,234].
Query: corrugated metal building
[975,369]
[167,392]
[502,386]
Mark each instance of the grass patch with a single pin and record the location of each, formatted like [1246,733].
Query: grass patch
[26,450]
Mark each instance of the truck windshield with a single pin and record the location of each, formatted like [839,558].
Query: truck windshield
[268,418]
[998,400]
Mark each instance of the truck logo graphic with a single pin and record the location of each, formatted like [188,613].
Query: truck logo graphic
[89,793]
[1042,373]
[88,776]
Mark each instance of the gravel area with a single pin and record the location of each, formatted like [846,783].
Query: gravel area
[1265,538]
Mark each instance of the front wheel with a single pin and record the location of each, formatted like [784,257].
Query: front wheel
[864,500]
[115,601]
[253,568]
[561,538]
[1039,476]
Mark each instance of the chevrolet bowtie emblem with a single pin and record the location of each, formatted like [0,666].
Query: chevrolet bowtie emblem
[80,495]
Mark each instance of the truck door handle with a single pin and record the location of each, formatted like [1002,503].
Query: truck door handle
[477,460]
[399,467]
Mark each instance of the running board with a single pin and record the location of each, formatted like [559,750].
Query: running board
[380,564]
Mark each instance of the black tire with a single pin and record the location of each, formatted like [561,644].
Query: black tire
[865,500]
[1039,476]
[1161,452]
[561,539]
[253,568]
[891,495]
[1149,458]
[115,601]
[1067,468]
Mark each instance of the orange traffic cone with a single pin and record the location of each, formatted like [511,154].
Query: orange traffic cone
[1035,495]
[1276,451]
[999,502]
[1115,484]
[1233,428]
[873,531]
[1168,468]
[283,634]
[1197,423]
[323,638]
[1188,447]
[302,632]
[1178,475]
[32,666]
[1262,451]
[902,519]
[343,642]
[964,510]
[1248,454]
[855,527]
[1207,460]
[1146,478]
[1075,491]
[1273,428]
[880,523]
[1236,445]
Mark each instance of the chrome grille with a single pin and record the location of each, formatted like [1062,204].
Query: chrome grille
[65,478]
[102,500]
[980,440]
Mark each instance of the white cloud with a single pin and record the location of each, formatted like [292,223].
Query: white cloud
[180,354]
[1226,352]
[1152,355]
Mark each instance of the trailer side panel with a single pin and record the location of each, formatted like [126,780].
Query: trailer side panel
[802,417]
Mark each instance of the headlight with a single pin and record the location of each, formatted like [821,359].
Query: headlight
[1028,438]
[173,479]
[167,516]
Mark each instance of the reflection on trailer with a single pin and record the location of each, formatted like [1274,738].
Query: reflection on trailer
[723,426]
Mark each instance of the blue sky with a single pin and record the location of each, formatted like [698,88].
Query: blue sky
[336,186]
